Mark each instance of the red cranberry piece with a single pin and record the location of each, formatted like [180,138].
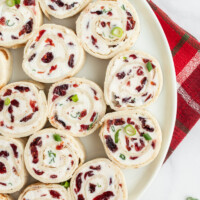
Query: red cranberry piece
[142,145]
[105,196]
[110,182]
[14,37]
[55,194]
[145,126]
[39,173]
[2,168]
[4,154]
[133,158]
[15,103]
[143,81]
[60,35]
[98,168]
[145,60]
[78,182]
[40,35]
[47,58]
[118,122]
[8,92]
[27,118]
[53,68]
[120,75]
[83,114]
[89,174]
[103,24]
[71,61]
[51,7]
[32,57]
[50,41]
[60,146]
[130,22]
[98,12]
[94,40]
[148,98]
[60,121]
[1,104]
[92,188]
[127,143]
[36,142]
[110,143]
[133,56]
[130,122]
[93,115]
[80,197]
[53,176]
[27,28]
[125,100]
[4,184]
[109,123]
[14,148]
[33,105]
[34,153]
[10,109]
[109,13]
[140,72]
[153,144]
[59,3]
[84,127]
[61,90]
[29,2]
[22,89]
[2,21]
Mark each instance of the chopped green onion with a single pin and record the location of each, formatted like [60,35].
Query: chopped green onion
[123,7]
[10,3]
[57,137]
[17,2]
[74,98]
[117,136]
[122,156]
[149,66]
[75,116]
[130,130]
[65,184]
[7,23]
[7,101]
[191,198]
[91,125]
[113,128]
[147,136]
[124,58]
[117,32]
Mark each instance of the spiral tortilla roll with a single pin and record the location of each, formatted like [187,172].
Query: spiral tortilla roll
[40,191]
[23,109]
[108,27]
[5,66]
[98,179]
[133,79]
[52,54]
[76,105]
[18,22]
[5,197]
[131,139]
[51,156]
[13,174]
[63,8]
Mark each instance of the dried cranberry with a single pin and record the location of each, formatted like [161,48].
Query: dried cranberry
[83,114]
[133,56]
[109,123]
[14,37]
[78,182]
[153,144]
[2,168]
[93,115]
[109,13]
[127,143]
[22,89]
[80,197]
[60,35]
[15,103]
[39,173]
[55,194]
[32,57]
[51,7]
[33,105]
[40,35]
[110,143]
[133,158]
[27,118]
[53,176]
[89,174]
[4,154]
[59,146]
[59,121]
[50,41]
[84,127]
[29,2]
[105,196]
[8,92]
[110,182]
[34,153]
[4,184]
[103,24]
[2,21]
[98,168]
[53,68]
[130,22]
[92,188]
[1,104]
[142,145]
[98,12]
[125,100]
[140,72]
[71,5]
[120,75]
[27,28]
[36,142]
[71,61]
[60,90]
[145,60]
[143,81]
[148,98]
[47,58]
[118,122]
[14,148]
[94,40]
[59,3]
[144,125]
[130,122]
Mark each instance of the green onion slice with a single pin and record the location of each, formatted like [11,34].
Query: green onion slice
[117,32]
[130,130]
[149,66]
[17,2]
[147,136]
[74,98]
[122,156]
[191,198]
[65,184]
[10,3]
[57,137]
[117,136]
[7,101]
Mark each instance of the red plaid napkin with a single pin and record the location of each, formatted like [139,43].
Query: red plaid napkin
[186,55]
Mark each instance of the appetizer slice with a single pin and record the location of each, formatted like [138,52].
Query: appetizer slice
[52,54]
[51,156]
[18,20]
[108,27]
[5,197]
[13,174]
[133,79]
[23,109]
[98,179]
[131,139]
[45,191]
[63,8]
[5,66]
[76,105]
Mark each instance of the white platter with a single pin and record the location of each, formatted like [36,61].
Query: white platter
[153,41]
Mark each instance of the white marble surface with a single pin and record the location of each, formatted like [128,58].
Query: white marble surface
[179,177]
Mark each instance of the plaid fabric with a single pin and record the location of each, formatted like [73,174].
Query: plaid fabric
[186,55]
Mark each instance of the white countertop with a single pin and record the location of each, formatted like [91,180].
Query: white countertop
[179,177]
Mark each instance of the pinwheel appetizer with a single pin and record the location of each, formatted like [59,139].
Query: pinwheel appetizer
[13,174]
[63,8]
[51,156]
[5,66]
[98,179]
[108,27]
[76,105]
[52,54]
[45,191]
[23,109]
[18,20]
[133,79]
[5,197]
[131,139]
